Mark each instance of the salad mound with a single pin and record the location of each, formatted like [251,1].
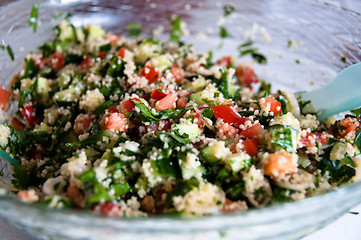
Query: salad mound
[136,126]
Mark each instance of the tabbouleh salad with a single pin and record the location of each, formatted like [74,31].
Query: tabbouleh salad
[135,126]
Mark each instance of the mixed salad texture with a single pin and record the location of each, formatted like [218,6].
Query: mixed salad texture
[136,126]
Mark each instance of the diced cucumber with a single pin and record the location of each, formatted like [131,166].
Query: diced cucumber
[196,85]
[69,32]
[188,173]
[43,89]
[329,121]
[95,31]
[43,128]
[287,119]
[239,161]
[190,129]
[145,51]
[283,137]
[142,183]
[214,151]
[64,80]
[67,95]
[338,151]
[303,160]
[202,97]
[161,62]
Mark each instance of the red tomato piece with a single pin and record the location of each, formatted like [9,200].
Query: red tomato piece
[17,124]
[228,130]
[157,94]
[121,52]
[224,62]
[177,72]
[151,74]
[108,208]
[87,62]
[246,75]
[168,102]
[129,105]
[115,121]
[308,140]
[4,98]
[348,126]
[83,123]
[251,146]
[269,103]
[57,61]
[29,114]
[112,38]
[252,131]
[228,115]
[322,138]
[279,163]
[73,192]
[102,54]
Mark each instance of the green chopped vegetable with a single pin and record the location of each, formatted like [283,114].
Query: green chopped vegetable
[33,20]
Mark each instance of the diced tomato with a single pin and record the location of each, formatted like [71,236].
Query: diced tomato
[279,163]
[269,103]
[252,131]
[168,102]
[177,72]
[17,124]
[101,54]
[347,126]
[112,38]
[151,74]
[198,120]
[228,130]
[224,62]
[308,140]
[228,115]
[230,206]
[148,203]
[29,114]
[181,102]
[322,138]
[129,105]
[121,52]
[82,123]
[4,98]
[113,109]
[246,75]
[251,146]
[38,59]
[108,209]
[115,121]
[57,61]
[163,125]
[73,192]
[157,94]
[87,62]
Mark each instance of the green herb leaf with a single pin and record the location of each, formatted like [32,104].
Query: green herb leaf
[247,49]
[8,49]
[223,33]
[283,137]
[28,94]
[33,20]
[134,29]
[354,213]
[176,31]
[228,9]
[30,69]
[145,115]
[356,111]
[182,189]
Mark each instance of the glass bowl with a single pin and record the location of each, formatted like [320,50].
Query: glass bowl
[324,39]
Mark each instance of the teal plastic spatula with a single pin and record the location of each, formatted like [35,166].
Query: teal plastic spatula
[343,93]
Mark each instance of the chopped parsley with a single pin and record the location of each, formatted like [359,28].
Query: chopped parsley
[228,9]
[176,31]
[247,49]
[33,20]
[134,29]
[8,49]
